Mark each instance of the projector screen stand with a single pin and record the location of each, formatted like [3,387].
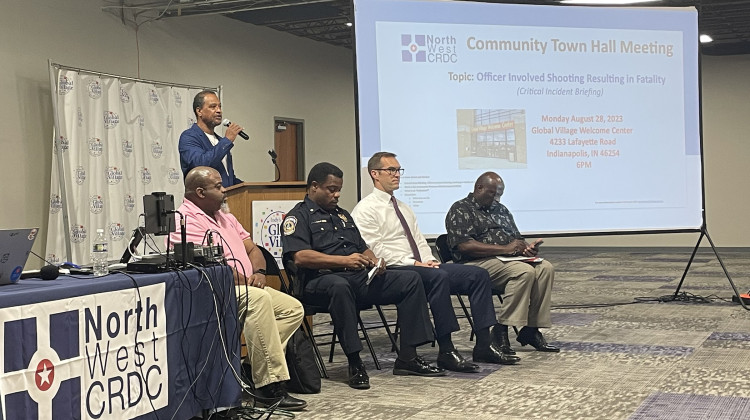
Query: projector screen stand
[704,232]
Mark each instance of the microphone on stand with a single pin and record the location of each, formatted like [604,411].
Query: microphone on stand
[273,155]
[48,272]
[242,134]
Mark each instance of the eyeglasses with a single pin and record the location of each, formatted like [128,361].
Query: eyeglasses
[392,171]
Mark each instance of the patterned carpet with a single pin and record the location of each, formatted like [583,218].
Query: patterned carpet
[624,355]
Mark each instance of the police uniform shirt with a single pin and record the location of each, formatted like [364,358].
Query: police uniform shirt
[308,226]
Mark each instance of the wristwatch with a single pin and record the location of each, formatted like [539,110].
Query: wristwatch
[260,271]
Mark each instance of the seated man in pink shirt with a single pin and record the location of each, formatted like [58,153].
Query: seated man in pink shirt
[269,317]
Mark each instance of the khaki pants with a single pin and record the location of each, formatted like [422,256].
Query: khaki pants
[269,319]
[526,290]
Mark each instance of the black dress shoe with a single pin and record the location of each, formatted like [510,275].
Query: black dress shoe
[453,360]
[500,338]
[416,366]
[358,378]
[273,393]
[492,354]
[534,337]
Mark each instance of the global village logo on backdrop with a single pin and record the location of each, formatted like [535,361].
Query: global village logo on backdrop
[52,258]
[63,143]
[80,175]
[270,234]
[127,147]
[114,175]
[77,233]
[111,119]
[96,204]
[124,96]
[128,202]
[64,85]
[116,231]
[55,203]
[177,98]
[80,117]
[95,89]
[156,149]
[169,122]
[96,147]
[153,97]
[174,176]
[145,175]
[190,122]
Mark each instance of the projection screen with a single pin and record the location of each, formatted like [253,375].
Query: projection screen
[589,114]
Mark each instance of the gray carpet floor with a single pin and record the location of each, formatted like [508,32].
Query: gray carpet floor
[622,357]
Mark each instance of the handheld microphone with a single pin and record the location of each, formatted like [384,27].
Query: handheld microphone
[242,134]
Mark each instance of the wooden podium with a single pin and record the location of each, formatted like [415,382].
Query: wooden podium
[240,197]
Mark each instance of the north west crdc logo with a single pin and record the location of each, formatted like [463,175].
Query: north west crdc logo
[80,358]
[428,49]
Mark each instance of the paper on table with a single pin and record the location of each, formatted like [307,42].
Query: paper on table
[520,258]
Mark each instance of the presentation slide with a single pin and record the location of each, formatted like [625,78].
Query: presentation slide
[589,114]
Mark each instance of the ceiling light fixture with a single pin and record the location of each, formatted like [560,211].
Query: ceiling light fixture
[704,39]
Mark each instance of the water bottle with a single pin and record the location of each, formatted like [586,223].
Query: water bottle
[100,254]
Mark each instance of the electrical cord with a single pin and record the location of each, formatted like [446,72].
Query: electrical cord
[135,341]
[243,410]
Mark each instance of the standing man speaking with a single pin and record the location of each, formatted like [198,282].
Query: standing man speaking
[200,146]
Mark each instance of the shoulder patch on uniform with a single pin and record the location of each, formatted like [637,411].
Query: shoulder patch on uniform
[290,225]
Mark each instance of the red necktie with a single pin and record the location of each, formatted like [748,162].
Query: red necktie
[409,237]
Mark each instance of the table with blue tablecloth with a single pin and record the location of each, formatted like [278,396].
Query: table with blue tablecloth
[120,346]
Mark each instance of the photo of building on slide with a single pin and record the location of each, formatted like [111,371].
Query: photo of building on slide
[491,138]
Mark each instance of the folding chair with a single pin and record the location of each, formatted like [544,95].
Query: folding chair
[291,278]
[444,252]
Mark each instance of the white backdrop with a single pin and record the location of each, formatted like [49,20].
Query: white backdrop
[115,141]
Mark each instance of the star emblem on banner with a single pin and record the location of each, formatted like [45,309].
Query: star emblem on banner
[45,374]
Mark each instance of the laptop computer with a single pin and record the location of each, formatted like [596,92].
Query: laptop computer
[15,247]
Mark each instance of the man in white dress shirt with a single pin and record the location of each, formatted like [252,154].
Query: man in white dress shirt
[390,229]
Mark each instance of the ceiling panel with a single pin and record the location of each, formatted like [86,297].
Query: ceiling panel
[727,21]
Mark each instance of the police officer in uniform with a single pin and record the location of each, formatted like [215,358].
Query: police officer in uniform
[333,262]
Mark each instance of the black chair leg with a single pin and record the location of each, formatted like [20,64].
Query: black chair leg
[468,316]
[369,343]
[333,345]
[318,356]
[392,337]
[500,298]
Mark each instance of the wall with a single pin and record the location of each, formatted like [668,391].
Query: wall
[266,73]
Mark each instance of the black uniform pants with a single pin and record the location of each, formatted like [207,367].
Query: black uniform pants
[439,283]
[341,291]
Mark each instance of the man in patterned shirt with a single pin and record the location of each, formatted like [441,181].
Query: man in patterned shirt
[480,229]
